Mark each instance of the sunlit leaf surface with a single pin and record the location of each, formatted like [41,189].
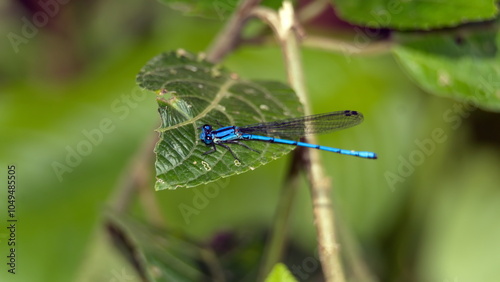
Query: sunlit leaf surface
[417,14]
[280,273]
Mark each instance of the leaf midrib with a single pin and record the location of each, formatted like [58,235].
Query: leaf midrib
[223,90]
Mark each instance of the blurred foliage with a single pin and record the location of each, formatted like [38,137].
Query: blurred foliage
[462,64]
[426,210]
[159,255]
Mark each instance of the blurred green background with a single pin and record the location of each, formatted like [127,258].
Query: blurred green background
[426,210]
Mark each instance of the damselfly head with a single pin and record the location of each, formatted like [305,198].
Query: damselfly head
[206,134]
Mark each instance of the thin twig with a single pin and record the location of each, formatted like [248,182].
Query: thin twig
[284,26]
[342,46]
[228,38]
[311,10]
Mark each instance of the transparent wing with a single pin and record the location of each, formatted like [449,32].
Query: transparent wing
[315,124]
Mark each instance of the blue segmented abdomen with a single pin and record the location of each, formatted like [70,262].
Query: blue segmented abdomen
[362,154]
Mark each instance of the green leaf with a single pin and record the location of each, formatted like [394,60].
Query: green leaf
[280,273]
[464,65]
[416,14]
[160,255]
[192,92]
